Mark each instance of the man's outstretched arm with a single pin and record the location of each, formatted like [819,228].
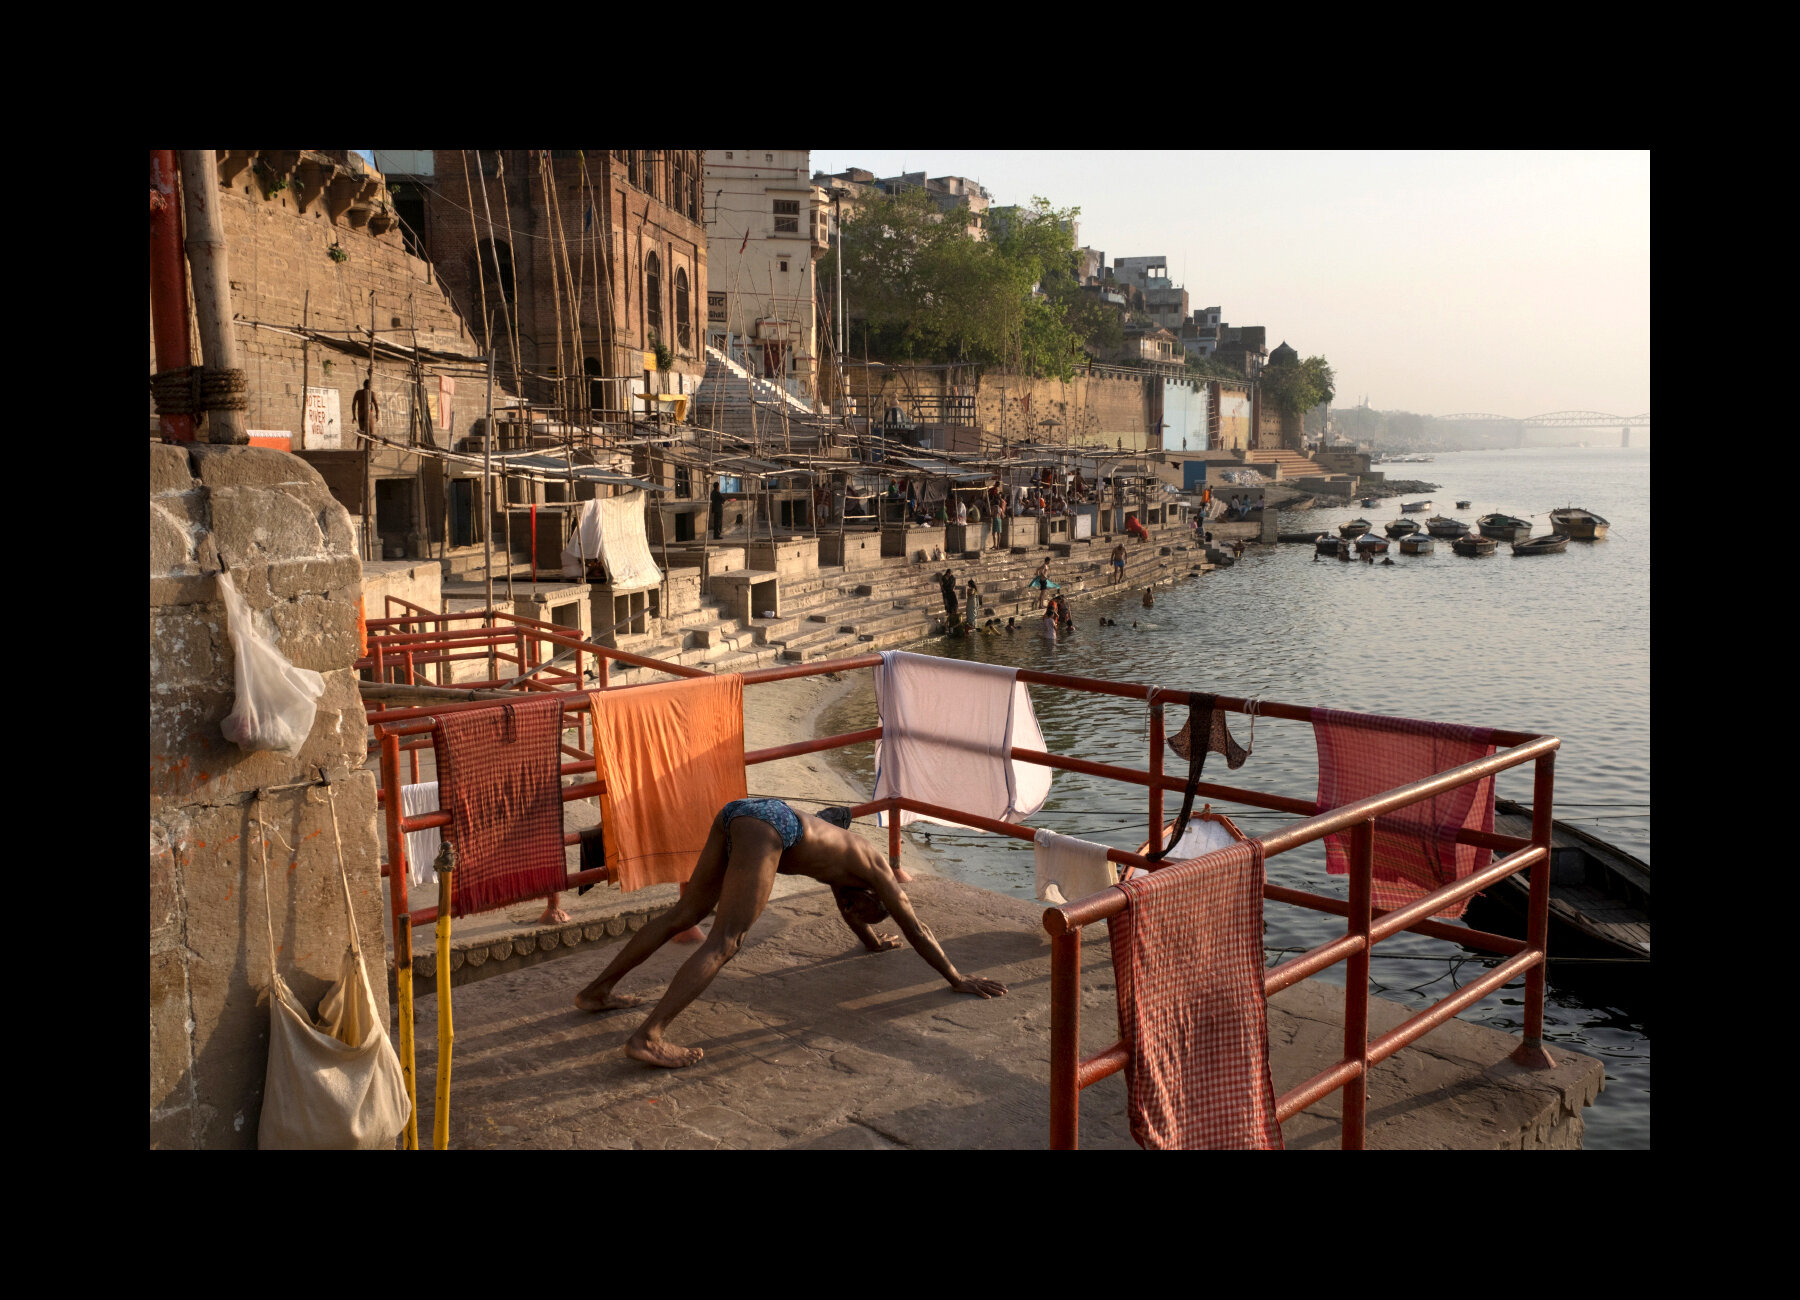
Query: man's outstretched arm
[925,943]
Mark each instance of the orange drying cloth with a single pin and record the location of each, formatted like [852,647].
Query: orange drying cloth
[362,629]
[672,755]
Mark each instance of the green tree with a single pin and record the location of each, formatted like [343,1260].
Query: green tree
[1298,386]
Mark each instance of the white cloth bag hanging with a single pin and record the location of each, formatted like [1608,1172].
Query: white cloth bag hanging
[333,1085]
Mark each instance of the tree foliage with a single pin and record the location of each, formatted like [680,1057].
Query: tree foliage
[923,289]
[1298,386]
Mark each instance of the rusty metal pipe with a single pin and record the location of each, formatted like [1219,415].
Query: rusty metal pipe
[1438,1012]
[1356,985]
[169,323]
[1486,941]
[776,752]
[1065,1041]
[1323,1084]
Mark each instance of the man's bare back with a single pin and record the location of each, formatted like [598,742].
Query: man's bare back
[734,874]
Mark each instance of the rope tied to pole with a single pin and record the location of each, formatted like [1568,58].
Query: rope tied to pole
[190,390]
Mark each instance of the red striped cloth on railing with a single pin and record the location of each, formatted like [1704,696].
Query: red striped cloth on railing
[1188,957]
[1415,847]
[499,779]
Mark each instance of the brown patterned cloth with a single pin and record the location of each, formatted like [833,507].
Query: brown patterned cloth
[499,778]
[1187,954]
[1415,847]
[1218,739]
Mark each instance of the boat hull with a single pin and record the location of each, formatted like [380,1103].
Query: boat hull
[1504,528]
[1474,546]
[1355,528]
[1579,525]
[1553,544]
[1440,527]
[1415,507]
[1372,544]
[1417,544]
[1401,528]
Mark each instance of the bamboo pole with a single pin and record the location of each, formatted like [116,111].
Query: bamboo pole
[210,267]
[440,1127]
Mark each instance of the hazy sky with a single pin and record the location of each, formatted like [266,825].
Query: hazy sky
[1511,283]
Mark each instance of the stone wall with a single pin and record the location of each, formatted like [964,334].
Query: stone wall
[269,519]
[1104,410]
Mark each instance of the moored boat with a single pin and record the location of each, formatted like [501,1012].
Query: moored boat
[1369,502]
[1417,544]
[1465,505]
[1415,507]
[1355,528]
[1402,528]
[1325,544]
[1442,526]
[1471,545]
[1372,544]
[1599,896]
[1582,525]
[1548,544]
[1504,528]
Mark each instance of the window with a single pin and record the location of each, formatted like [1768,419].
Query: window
[683,333]
[653,294]
[728,155]
[784,265]
[768,157]
[787,216]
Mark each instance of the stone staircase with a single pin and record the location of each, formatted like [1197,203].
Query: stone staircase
[1293,464]
[729,395]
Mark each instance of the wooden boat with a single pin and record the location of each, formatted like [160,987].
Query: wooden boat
[1372,544]
[1206,831]
[1599,896]
[1415,507]
[1417,544]
[1465,505]
[1471,545]
[1401,528]
[1355,528]
[1504,528]
[1582,525]
[1549,544]
[1440,526]
[1369,502]
[1326,544]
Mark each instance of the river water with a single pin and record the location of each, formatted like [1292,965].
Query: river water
[1557,644]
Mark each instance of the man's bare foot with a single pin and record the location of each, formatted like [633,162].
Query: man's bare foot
[667,1055]
[553,915]
[693,934]
[589,1000]
[903,875]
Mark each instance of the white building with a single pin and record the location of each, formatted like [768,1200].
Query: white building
[766,229]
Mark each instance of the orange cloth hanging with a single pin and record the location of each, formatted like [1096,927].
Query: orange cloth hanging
[362,629]
[672,755]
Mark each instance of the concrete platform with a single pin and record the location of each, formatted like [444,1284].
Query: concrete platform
[811,1043]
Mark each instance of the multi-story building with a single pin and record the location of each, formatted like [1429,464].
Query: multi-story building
[1164,300]
[578,261]
[769,225]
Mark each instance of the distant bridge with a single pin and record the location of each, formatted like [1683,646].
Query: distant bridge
[1564,419]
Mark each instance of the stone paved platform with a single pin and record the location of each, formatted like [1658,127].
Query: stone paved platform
[811,1043]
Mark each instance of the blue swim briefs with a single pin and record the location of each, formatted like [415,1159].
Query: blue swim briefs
[772,811]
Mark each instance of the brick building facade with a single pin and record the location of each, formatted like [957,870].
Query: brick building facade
[622,232]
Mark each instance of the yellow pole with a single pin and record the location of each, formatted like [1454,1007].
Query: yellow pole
[440,1129]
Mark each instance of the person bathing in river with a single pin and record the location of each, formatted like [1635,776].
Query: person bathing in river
[752,841]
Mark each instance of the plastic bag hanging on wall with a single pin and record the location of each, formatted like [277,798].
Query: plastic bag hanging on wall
[275,701]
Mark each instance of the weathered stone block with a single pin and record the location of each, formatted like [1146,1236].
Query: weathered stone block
[228,467]
[170,470]
[314,577]
[316,633]
[171,545]
[171,1056]
[256,526]
[165,896]
[188,646]
[173,1130]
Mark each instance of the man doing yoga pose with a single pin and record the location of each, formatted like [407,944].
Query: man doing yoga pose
[752,841]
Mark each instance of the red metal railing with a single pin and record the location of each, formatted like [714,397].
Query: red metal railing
[1069,1071]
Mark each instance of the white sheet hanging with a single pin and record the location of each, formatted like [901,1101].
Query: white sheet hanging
[1068,868]
[947,726]
[421,846]
[611,529]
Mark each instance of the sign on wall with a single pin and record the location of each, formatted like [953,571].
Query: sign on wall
[715,306]
[322,431]
[446,391]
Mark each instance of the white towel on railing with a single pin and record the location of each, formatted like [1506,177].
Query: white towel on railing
[1069,868]
[421,846]
[947,728]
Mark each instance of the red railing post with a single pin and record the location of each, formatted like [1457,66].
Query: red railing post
[1532,1052]
[168,283]
[402,922]
[894,836]
[1065,1041]
[1356,984]
[1156,771]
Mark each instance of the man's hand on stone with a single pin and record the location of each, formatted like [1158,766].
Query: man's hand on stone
[983,988]
[885,942]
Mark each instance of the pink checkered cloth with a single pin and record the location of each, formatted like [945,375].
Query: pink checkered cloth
[1415,848]
[499,779]
[1187,953]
